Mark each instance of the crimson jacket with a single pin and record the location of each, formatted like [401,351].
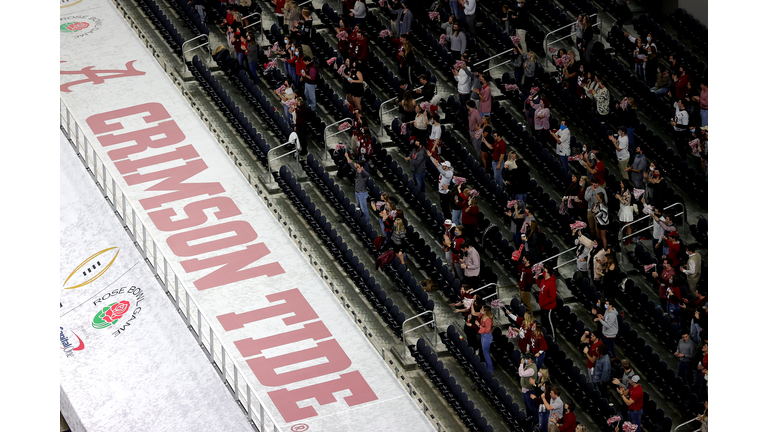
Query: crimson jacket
[526,278]
[358,47]
[548,294]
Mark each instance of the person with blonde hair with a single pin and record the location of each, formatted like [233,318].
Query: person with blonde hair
[398,238]
[529,69]
[486,334]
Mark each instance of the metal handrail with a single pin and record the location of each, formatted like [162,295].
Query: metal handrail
[683,424]
[434,322]
[325,139]
[395,109]
[381,107]
[634,233]
[555,256]
[207,43]
[494,56]
[179,294]
[498,65]
[547,42]
[484,287]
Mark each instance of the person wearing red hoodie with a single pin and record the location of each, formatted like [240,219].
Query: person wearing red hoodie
[279,4]
[526,282]
[547,298]
[358,46]
[672,241]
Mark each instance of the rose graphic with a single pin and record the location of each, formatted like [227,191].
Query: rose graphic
[110,314]
[116,311]
[74,26]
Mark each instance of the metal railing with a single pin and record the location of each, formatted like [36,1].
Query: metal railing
[494,56]
[433,322]
[224,364]
[689,421]
[326,136]
[206,44]
[259,21]
[498,65]
[547,43]
[561,253]
[381,107]
[634,233]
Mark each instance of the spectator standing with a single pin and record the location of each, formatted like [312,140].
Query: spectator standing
[475,127]
[673,300]
[484,93]
[601,373]
[398,238]
[457,253]
[626,376]
[309,77]
[359,11]
[471,264]
[692,269]
[526,282]
[625,14]
[626,215]
[404,19]
[664,280]
[529,69]
[538,346]
[470,9]
[418,160]
[521,22]
[547,298]
[469,217]
[590,195]
[458,41]
[542,385]
[597,171]
[703,100]
[696,313]
[444,184]
[292,15]
[563,147]
[394,6]
[199,6]
[464,79]
[279,4]
[470,329]
[610,322]
[568,421]
[555,404]
[686,348]
[633,397]
[499,149]
[590,350]
[638,169]
[253,56]
[526,371]
[602,98]
[680,128]
[621,144]
[486,336]
[361,191]
[583,249]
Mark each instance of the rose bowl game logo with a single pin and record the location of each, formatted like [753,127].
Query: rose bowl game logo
[117,309]
[110,315]
[79,25]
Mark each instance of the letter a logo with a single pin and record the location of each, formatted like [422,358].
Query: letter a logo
[93,76]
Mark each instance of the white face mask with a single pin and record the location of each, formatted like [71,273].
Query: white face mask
[653,167]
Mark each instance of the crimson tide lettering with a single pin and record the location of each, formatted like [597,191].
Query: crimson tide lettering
[173,179]
[226,208]
[253,347]
[293,303]
[143,137]
[287,401]
[127,166]
[179,243]
[265,369]
[232,267]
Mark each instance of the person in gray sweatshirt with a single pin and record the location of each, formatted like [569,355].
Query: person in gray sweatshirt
[685,351]
[610,323]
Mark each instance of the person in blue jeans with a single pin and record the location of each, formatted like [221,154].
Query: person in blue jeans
[563,147]
[633,397]
[418,159]
[486,335]
[361,191]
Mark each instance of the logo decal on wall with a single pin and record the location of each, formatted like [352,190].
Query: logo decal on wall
[67,346]
[92,268]
[79,25]
[118,308]
[92,76]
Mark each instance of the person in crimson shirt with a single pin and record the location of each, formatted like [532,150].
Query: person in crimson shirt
[470,329]
[567,423]
[525,325]
[673,299]
[591,350]
[343,45]
[680,79]
[499,149]
[358,46]
[526,282]
[663,280]
[633,397]
[279,12]
[469,217]
[695,313]
[598,172]
[538,346]
[672,243]
[456,253]
[547,298]
[240,44]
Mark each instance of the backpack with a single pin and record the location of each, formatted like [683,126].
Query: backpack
[384,259]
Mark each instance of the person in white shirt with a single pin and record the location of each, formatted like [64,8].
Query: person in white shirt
[470,7]
[563,147]
[622,151]
[464,78]
[444,184]
[680,126]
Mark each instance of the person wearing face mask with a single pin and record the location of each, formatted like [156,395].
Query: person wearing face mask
[543,385]
[637,169]
[663,280]
[590,195]
[517,62]
[521,22]
[622,150]
[563,147]
[588,159]
[547,298]
[651,65]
